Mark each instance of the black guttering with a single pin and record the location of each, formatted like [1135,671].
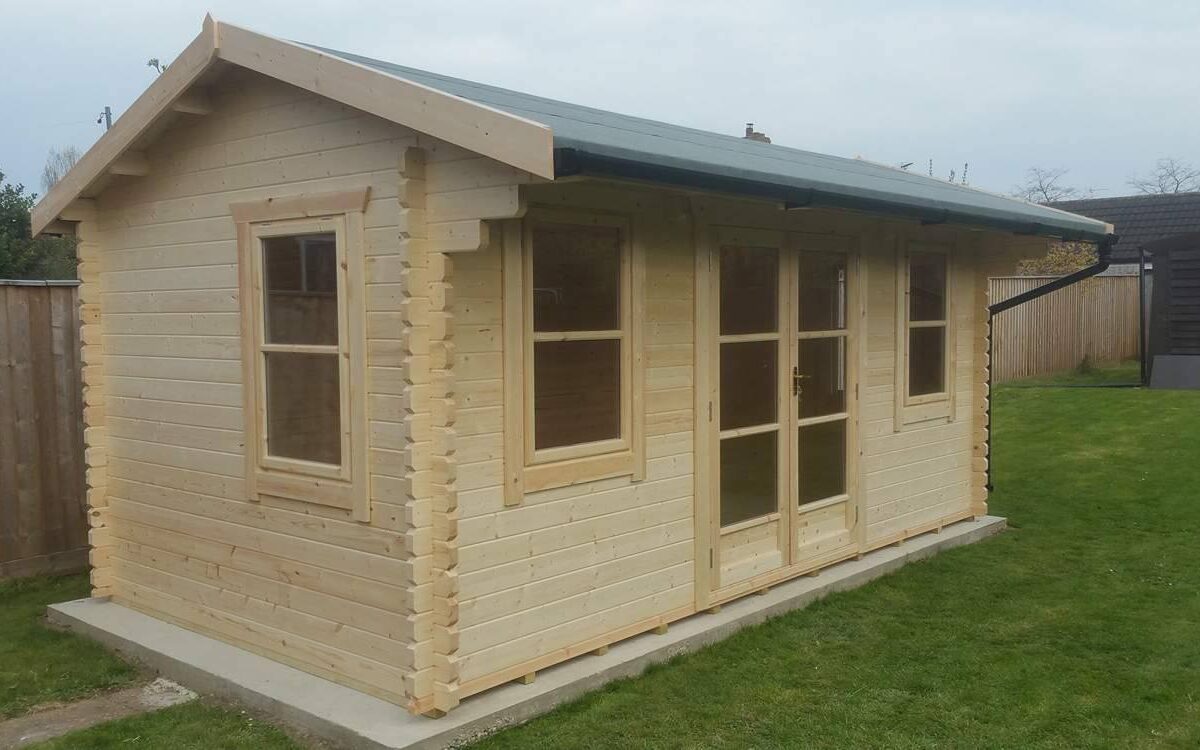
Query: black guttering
[1103,250]
[1103,253]
[570,162]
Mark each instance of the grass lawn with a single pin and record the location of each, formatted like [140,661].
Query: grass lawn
[1109,373]
[192,726]
[1079,627]
[39,665]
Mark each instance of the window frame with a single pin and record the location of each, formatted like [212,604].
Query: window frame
[344,486]
[259,232]
[926,407]
[528,468]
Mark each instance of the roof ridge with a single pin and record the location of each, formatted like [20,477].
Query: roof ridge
[772,150]
[616,139]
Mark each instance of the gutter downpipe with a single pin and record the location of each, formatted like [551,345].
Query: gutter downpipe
[1103,248]
[1142,344]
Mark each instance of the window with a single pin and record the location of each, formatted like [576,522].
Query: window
[571,355]
[302,361]
[578,334]
[302,347]
[924,374]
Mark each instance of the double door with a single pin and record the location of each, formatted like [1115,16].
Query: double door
[783,405]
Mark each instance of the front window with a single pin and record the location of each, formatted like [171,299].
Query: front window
[302,346]
[303,359]
[572,371]
[577,297]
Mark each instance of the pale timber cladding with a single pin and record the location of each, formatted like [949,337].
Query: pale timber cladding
[365,604]
[446,590]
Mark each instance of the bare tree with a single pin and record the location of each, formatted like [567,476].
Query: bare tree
[1062,258]
[1045,186]
[1169,175]
[58,163]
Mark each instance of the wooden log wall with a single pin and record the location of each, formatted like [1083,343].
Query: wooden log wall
[43,523]
[1096,318]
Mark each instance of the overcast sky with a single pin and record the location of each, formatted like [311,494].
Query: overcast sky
[1098,87]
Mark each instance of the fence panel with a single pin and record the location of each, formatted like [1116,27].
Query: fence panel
[1096,318]
[43,522]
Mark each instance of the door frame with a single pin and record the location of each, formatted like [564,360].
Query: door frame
[706,395]
[801,242]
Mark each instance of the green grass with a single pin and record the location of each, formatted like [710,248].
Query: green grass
[39,665]
[1118,373]
[193,726]
[1077,628]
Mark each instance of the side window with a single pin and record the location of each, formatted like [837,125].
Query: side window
[926,324]
[303,364]
[572,374]
[924,335]
[302,347]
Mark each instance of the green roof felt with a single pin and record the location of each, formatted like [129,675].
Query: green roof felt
[596,140]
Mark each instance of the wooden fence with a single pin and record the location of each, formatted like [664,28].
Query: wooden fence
[1096,318]
[43,523]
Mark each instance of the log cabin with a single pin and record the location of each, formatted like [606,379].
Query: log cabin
[422,385]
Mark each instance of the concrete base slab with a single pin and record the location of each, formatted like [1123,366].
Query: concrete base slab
[350,718]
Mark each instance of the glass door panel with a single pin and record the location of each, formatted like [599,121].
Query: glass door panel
[748,381]
[823,389]
[751,378]
[821,370]
[748,477]
[819,376]
[822,461]
[822,301]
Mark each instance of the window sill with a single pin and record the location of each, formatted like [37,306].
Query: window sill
[332,493]
[578,470]
[925,411]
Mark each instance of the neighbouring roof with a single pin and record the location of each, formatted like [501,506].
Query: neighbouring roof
[1140,219]
[588,140]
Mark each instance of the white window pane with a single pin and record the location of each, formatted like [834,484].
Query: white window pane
[300,289]
[576,392]
[304,407]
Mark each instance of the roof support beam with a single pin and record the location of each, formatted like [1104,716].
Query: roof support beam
[80,209]
[130,163]
[156,100]
[194,102]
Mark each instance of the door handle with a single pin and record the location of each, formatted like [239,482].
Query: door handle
[797,382]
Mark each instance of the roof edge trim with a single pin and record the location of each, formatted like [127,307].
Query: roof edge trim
[507,138]
[518,142]
[154,101]
[578,162]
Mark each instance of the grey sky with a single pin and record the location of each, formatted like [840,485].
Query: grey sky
[1099,87]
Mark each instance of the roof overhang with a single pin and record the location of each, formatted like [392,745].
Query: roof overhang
[525,144]
[586,160]
[507,138]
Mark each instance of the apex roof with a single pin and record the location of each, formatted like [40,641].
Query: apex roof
[552,139]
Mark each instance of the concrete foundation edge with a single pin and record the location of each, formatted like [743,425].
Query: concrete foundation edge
[353,719]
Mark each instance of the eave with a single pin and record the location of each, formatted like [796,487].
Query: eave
[512,140]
